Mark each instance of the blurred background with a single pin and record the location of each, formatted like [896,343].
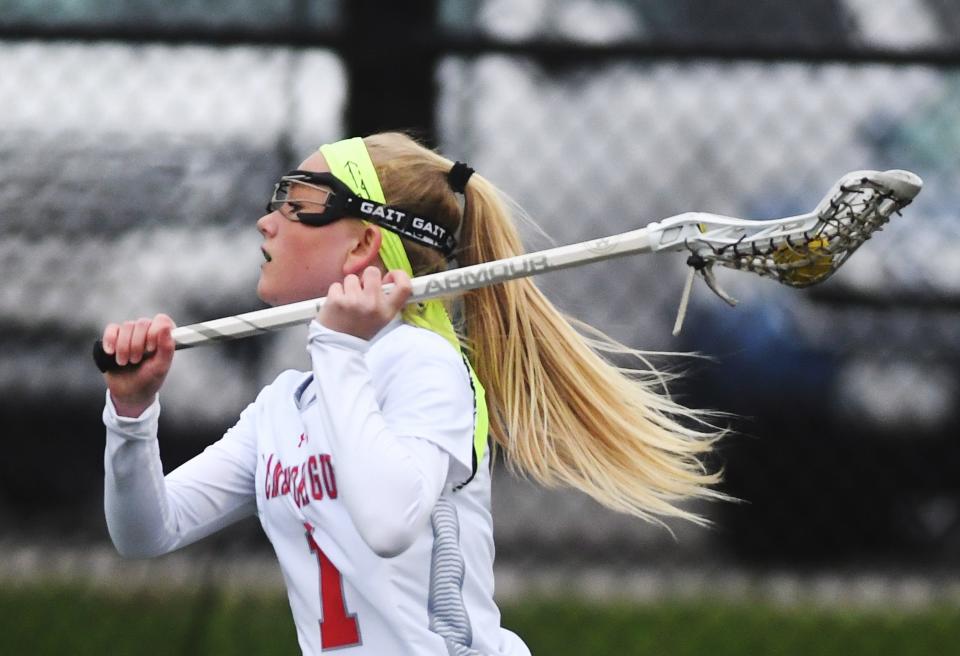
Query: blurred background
[139,141]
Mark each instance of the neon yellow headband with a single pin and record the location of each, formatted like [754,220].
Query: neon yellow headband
[350,162]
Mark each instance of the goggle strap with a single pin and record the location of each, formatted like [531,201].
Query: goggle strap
[416,228]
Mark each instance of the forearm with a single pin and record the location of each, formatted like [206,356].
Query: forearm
[149,514]
[138,514]
[389,482]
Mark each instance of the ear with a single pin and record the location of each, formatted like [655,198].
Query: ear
[365,251]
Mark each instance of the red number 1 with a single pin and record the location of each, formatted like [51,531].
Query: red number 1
[337,628]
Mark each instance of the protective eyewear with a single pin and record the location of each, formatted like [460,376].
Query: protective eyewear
[340,202]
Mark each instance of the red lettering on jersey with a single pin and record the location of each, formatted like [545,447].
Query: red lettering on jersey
[313,478]
[329,480]
[294,474]
[301,497]
[276,478]
[266,478]
[316,487]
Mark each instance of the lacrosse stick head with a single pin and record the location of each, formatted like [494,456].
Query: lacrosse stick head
[807,249]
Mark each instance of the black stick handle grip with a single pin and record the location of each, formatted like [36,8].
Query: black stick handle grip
[106,362]
[103,361]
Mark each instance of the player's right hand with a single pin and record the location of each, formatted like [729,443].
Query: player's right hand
[146,343]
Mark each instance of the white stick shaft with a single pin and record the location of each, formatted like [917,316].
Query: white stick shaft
[445,283]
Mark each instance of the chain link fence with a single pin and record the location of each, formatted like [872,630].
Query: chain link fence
[133,173]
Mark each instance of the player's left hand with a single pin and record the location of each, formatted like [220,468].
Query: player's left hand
[358,306]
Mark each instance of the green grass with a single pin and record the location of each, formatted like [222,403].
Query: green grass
[77,621]
[57,620]
[705,629]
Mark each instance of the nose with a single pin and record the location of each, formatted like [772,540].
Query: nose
[267,224]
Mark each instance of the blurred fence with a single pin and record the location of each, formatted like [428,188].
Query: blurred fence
[138,146]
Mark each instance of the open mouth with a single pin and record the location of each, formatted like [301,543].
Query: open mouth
[266,255]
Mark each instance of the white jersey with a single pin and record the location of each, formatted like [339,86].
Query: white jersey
[296,457]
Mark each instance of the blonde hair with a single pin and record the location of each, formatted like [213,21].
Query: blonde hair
[562,412]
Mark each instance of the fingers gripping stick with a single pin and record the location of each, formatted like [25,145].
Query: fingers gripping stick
[797,251]
[106,362]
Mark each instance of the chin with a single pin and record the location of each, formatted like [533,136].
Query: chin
[263,293]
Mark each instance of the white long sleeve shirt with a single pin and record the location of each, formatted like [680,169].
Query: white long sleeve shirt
[351,469]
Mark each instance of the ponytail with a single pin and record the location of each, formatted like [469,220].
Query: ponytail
[559,408]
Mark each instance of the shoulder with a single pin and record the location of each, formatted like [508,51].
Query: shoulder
[287,385]
[286,381]
[410,360]
[408,345]
[271,400]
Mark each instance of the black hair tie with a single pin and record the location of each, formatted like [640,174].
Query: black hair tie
[458,177]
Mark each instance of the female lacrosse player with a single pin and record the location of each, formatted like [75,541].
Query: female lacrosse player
[370,473]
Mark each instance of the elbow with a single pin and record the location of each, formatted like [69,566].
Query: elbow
[388,534]
[135,547]
[387,541]
[134,551]
[390,529]
[390,516]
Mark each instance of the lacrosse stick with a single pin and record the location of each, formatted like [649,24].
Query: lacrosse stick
[797,251]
